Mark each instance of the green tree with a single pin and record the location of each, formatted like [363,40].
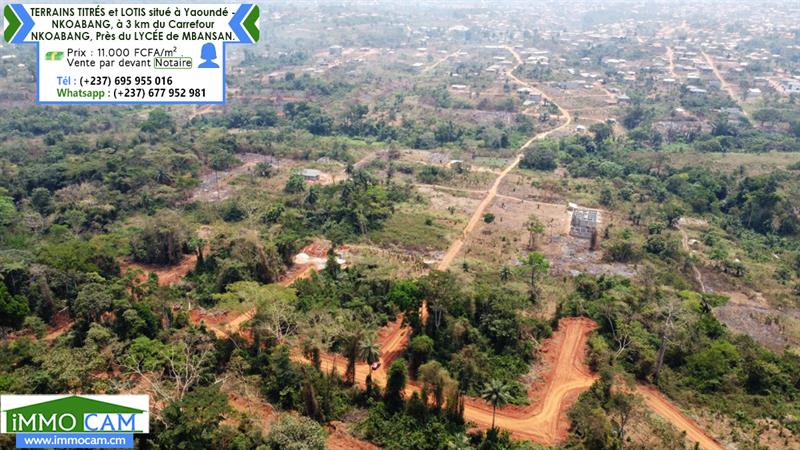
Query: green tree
[601,131]
[162,240]
[276,317]
[535,228]
[396,385]
[437,380]
[8,212]
[441,291]
[352,347]
[794,127]
[459,442]
[538,265]
[264,169]
[505,273]
[13,308]
[496,393]
[636,116]
[36,325]
[405,294]
[190,423]
[295,184]
[370,353]
[542,157]
[312,197]
[92,301]
[768,115]
[158,119]
[420,348]
[622,408]
[709,367]
[42,200]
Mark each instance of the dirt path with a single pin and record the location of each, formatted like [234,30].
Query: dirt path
[659,404]
[671,63]
[52,335]
[724,84]
[543,421]
[436,64]
[450,188]
[477,216]
[199,111]
[339,439]
[698,277]
[167,275]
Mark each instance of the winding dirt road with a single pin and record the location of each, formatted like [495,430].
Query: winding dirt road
[477,216]
[544,420]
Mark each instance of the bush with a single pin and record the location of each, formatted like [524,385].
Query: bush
[295,184]
[621,251]
[295,433]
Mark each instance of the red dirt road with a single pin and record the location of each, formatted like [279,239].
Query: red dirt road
[167,275]
[660,405]
[544,420]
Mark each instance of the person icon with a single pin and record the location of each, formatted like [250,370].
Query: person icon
[208,54]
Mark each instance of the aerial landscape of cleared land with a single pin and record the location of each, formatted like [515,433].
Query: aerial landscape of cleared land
[426,225]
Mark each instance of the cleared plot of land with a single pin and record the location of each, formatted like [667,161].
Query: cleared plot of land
[537,186]
[753,163]
[505,240]
[394,263]
[774,328]
[760,306]
[217,185]
[421,228]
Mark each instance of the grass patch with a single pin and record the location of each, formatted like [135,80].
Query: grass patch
[414,229]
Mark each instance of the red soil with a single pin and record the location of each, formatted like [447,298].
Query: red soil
[167,275]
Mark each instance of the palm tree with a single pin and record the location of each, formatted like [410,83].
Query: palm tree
[459,442]
[496,393]
[505,273]
[312,196]
[370,353]
[352,343]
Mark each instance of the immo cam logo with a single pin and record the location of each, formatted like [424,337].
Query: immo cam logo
[60,421]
